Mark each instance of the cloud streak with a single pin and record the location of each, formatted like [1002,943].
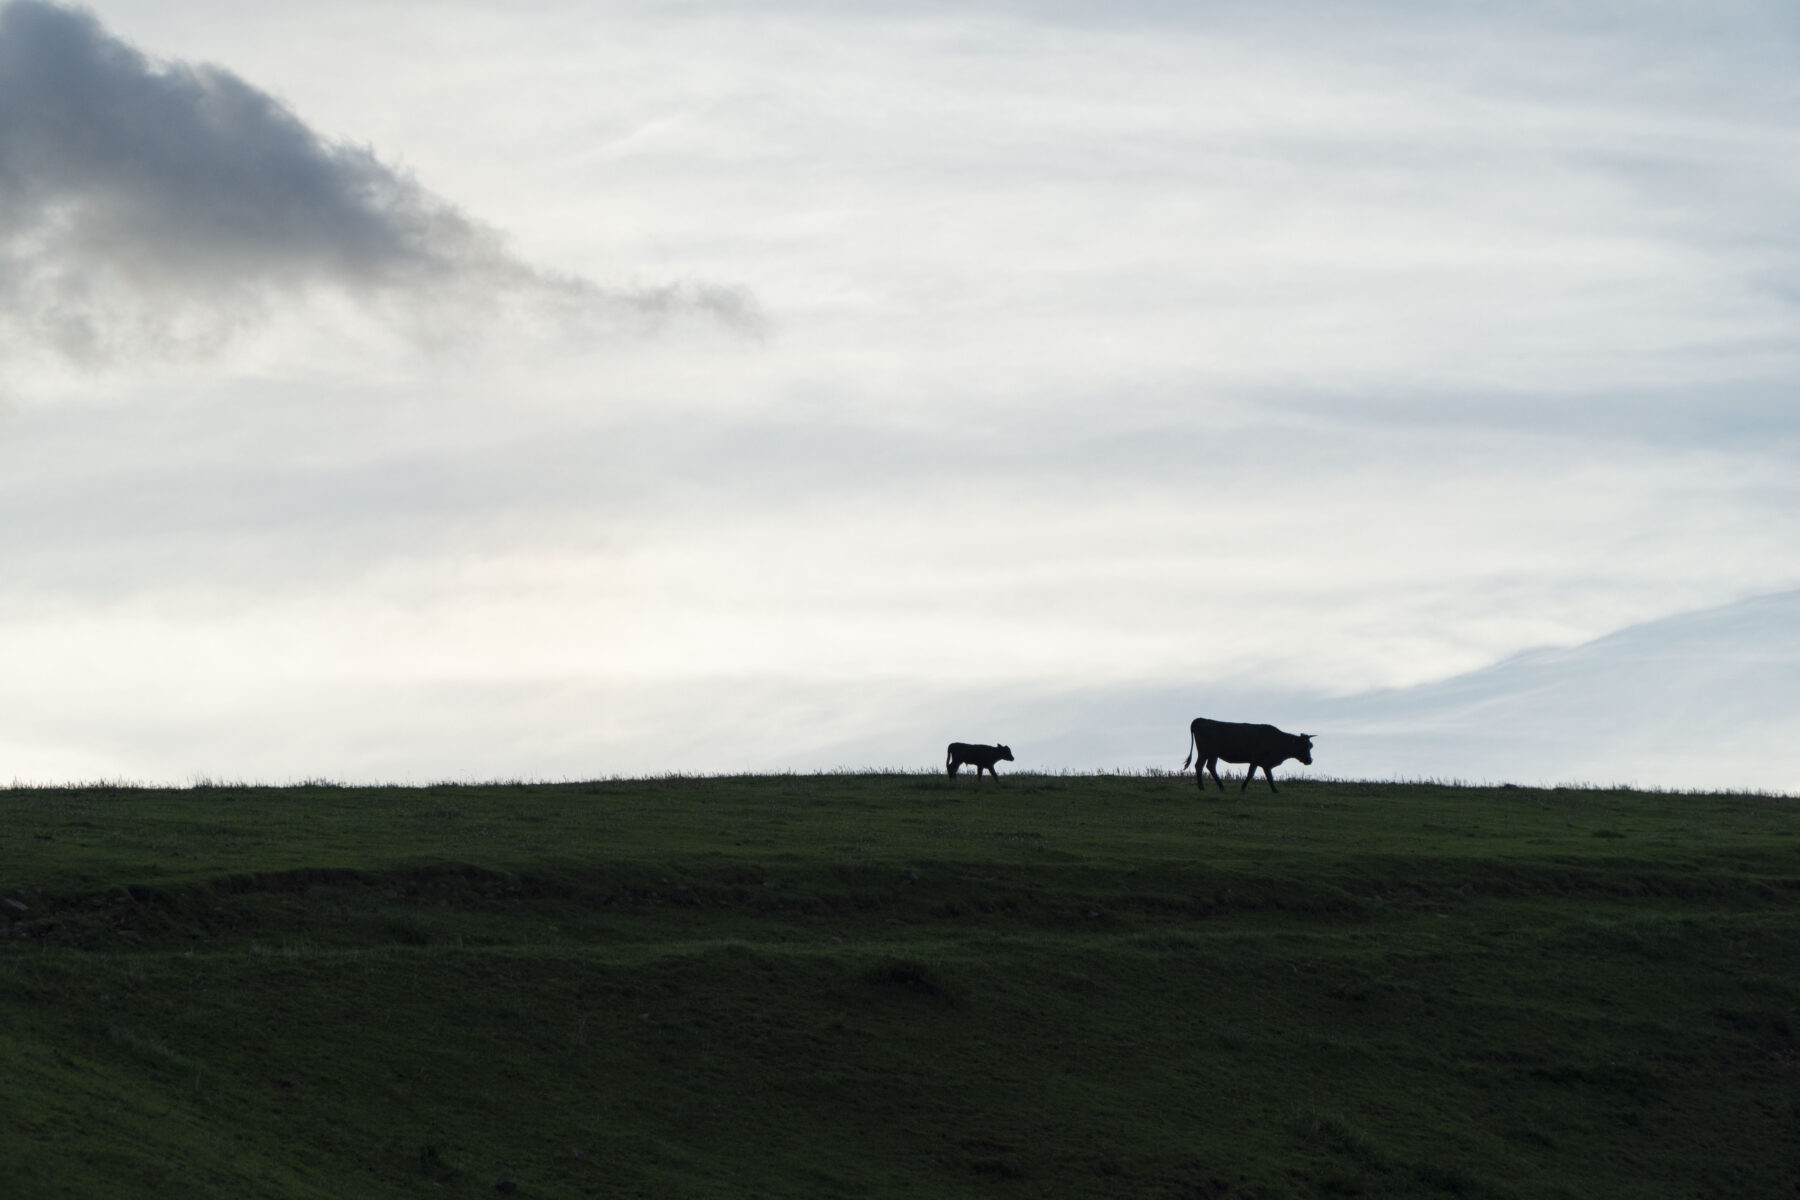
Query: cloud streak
[163,207]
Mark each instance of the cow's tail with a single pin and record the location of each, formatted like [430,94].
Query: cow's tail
[1193,745]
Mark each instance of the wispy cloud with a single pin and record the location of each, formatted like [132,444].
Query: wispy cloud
[154,206]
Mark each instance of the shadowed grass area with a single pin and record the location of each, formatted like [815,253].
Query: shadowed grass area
[899,985]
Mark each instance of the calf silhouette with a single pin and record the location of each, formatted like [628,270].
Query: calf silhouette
[984,758]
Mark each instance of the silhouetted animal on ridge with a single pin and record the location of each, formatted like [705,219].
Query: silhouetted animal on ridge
[984,758]
[1259,745]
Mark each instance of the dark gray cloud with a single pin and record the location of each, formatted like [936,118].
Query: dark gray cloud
[150,205]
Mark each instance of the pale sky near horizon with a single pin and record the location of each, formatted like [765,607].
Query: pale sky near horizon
[457,390]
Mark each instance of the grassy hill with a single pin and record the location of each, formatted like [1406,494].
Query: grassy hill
[898,985]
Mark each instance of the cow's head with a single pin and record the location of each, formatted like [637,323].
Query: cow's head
[1005,752]
[1303,748]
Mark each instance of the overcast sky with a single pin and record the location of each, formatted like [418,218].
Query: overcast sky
[457,390]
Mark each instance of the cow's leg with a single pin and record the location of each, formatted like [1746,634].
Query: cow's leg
[952,767]
[1249,774]
[1269,775]
[1212,764]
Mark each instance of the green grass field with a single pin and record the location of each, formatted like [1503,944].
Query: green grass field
[898,985]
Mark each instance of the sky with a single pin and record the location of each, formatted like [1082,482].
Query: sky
[409,392]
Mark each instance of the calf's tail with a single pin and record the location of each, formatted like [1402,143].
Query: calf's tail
[1193,745]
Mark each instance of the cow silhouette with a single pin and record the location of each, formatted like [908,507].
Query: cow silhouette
[1259,745]
[984,758]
